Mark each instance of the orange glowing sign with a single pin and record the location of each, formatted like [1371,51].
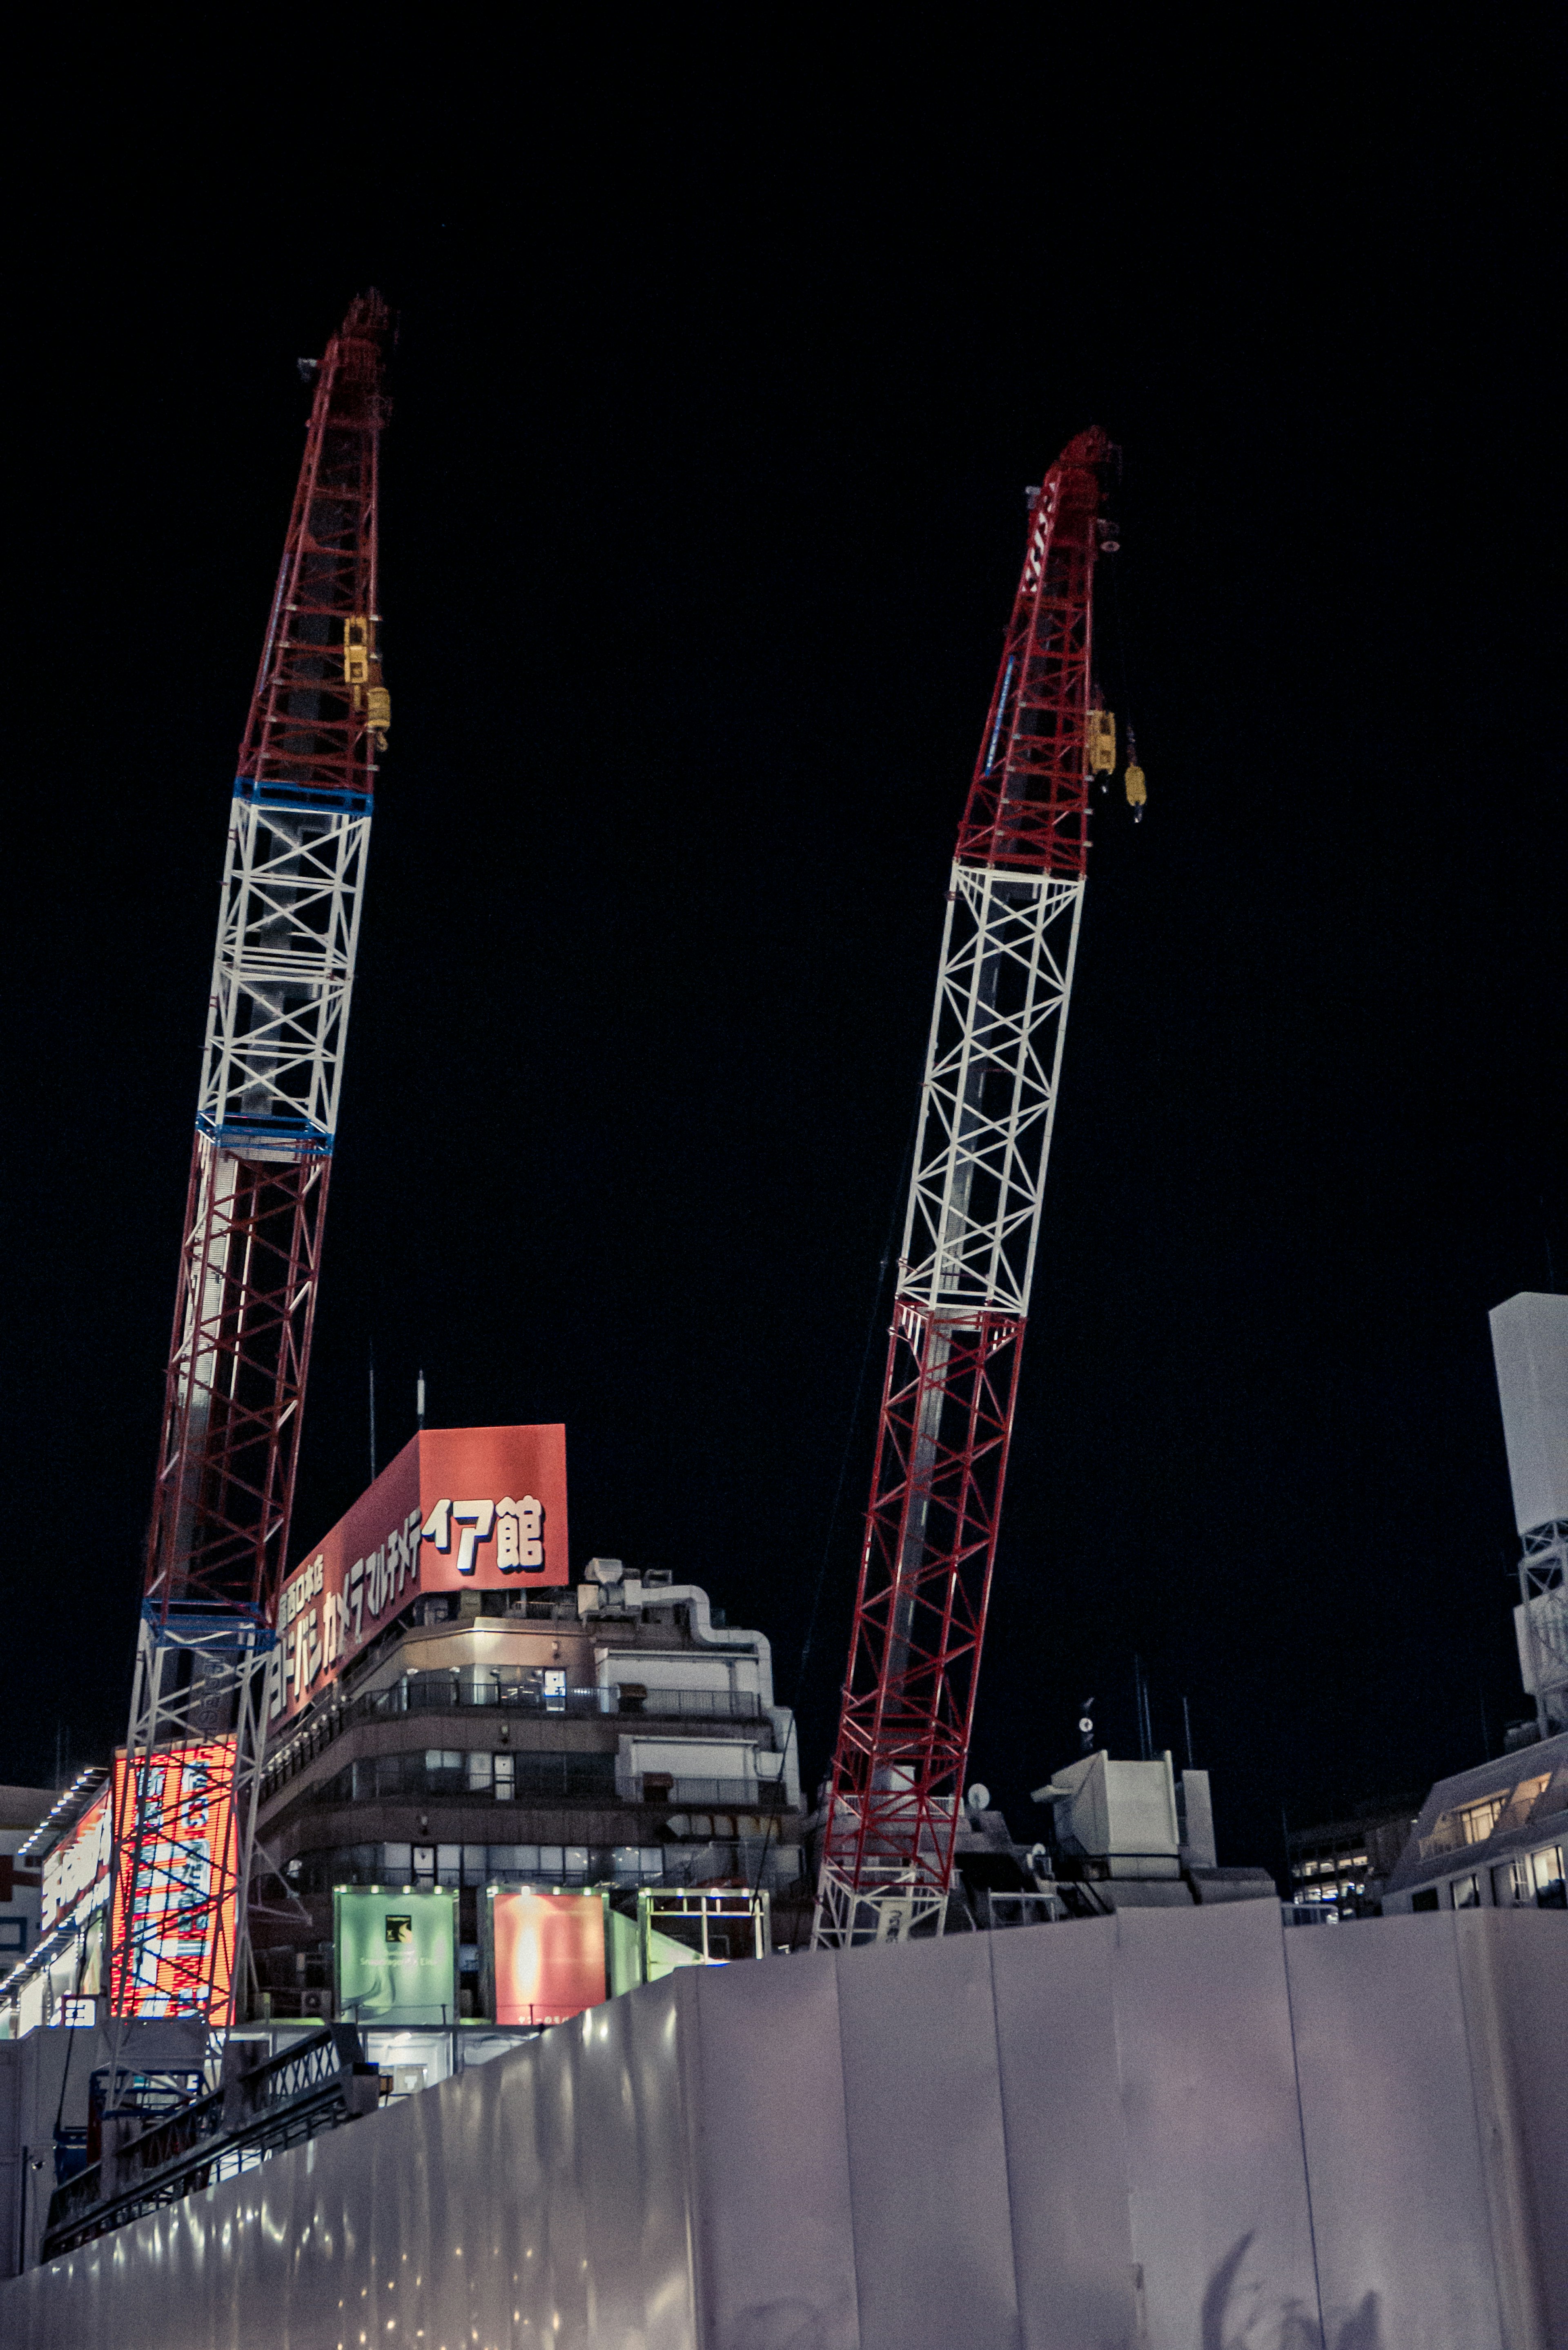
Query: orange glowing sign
[180,1943]
[459,1509]
[547,1951]
[75,1874]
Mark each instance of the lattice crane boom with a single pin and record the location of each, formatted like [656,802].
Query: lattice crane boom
[971,1227]
[266,1117]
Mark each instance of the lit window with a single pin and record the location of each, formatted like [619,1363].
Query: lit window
[1546,1874]
[1467,1892]
[1477,1821]
[1512,1883]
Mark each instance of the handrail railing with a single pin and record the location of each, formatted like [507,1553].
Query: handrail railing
[310,2086]
[515,1690]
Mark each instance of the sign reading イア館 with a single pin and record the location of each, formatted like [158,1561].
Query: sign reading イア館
[459,1509]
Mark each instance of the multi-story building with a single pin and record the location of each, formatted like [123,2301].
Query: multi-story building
[1491,1838]
[1344,1864]
[619,1734]
[1496,1836]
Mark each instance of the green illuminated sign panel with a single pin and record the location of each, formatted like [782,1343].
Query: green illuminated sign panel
[397,1956]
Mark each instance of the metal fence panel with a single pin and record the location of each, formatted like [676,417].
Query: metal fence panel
[1066,2159]
[542,2195]
[972,2141]
[771,2159]
[928,2159]
[1513,1975]
[1221,2224]
[1388,2119]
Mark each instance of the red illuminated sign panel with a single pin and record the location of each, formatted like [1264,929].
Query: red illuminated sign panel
[75,1874]
[182,1937]
[549,1955]
[459,1509]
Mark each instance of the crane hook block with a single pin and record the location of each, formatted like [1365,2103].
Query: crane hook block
[379,712]
[1138,794]
[356,651]
[1102,742]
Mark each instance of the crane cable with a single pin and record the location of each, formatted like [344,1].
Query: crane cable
[1135,789]
[849,1434]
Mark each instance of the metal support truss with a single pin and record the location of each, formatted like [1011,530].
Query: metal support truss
[987,1107]
[1543,1618]
[989,1100]
[283,974]
[277,1019]
[185,1815]
[909,1700]
[236,1384]
[266,1117]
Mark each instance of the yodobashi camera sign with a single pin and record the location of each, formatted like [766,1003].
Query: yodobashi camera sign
[397,1956]
[459,1509]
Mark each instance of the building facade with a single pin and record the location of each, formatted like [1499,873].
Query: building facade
[1491,1838]
[1344,1864]
[618,1734]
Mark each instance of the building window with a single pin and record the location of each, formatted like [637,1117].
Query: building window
[13,1933]
[1467,1892]
[1547,1878]
[1477,1821]
[1512,1883]
[1426,1899]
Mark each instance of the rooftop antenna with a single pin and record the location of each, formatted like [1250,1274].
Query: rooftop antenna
[372,1412]
[1186,1725]
[419,1399]
[1145,1735]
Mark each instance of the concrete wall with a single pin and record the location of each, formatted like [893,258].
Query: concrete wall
[1167,2130]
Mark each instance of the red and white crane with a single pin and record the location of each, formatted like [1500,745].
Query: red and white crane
[987,1106]
[266,1116]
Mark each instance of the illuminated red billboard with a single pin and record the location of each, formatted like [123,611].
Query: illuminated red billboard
[75,1874]
[546,1954]
[460,1509]
[181,1934]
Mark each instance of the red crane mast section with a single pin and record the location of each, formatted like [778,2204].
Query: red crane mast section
[267,1120]
[988,1102]
[282,979]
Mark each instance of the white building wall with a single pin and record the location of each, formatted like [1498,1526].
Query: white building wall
[1529,1348]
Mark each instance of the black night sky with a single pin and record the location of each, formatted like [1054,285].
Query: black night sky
[702,513]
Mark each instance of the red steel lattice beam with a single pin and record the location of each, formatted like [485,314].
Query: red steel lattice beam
[952,1378]
[250,1254]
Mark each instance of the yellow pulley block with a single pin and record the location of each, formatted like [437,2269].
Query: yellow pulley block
[1102,742]
[379,710]
[1138,795]
[356,651]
